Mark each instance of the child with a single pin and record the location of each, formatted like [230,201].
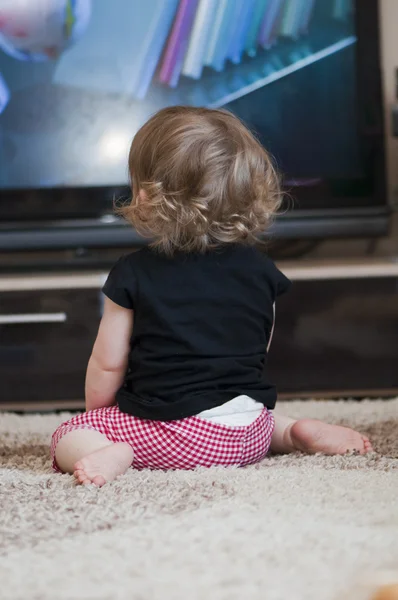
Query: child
[177,377]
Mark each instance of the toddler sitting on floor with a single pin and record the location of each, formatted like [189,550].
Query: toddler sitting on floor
[178,374]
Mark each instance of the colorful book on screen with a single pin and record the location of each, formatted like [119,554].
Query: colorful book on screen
[159,25]
[220,34]
[291,18]
[306,16]
[243,20]
[232,41]
[177,43]
[198,44]
[341,9]
[270,26]
[260,7]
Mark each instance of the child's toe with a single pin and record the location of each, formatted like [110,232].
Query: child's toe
[79,466]
[81,477]
[367,444]
[99,480]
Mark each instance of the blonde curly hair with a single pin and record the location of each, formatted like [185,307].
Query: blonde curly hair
[199,180]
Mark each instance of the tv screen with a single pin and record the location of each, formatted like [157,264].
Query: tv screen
[79,77]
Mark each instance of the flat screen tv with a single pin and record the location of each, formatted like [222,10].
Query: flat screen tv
[79,77]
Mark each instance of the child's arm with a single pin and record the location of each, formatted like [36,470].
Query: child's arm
[108,361]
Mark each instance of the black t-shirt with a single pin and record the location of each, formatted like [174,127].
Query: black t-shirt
[202,323]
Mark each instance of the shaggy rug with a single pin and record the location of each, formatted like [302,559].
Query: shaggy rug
[291,528]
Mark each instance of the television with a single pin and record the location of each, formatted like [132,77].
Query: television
[79,77]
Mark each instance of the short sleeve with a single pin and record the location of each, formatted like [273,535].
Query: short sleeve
[120,284]
[283,284]
[280,283]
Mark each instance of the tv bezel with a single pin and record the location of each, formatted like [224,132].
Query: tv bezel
[25,226]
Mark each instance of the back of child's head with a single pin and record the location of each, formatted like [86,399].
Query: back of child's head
[199,180]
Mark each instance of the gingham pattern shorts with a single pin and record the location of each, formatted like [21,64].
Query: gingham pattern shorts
[183,444]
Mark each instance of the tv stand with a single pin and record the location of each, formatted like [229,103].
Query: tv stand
[337,330]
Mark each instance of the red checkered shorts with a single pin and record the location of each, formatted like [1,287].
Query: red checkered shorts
[183,444]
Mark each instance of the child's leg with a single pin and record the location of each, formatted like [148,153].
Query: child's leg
[312,436]
[77,444]
[281,442]
[91,457]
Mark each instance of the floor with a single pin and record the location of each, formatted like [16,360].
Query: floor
[291,528]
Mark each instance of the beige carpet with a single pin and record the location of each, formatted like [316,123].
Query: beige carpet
[291,528]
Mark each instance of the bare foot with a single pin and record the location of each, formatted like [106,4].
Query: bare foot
[104,465]
[312,436]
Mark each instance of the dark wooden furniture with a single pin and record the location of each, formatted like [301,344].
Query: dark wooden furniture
[336,333]
[45,341]
[337,336]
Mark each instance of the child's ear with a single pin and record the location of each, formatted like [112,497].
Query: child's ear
[141,196]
